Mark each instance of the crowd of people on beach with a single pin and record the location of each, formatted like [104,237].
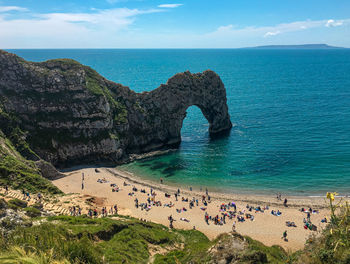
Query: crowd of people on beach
[226,211]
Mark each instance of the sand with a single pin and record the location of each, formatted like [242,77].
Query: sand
[265,228]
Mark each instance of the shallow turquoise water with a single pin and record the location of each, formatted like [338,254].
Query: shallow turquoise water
[291,109]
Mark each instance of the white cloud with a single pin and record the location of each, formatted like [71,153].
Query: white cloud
[12,8]
[269,34]
[116,18]
[170,5]
[225,28]
[114,28]
[268,31]
[98,28]
[333,23]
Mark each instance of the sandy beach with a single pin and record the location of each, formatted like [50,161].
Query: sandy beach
[265,227]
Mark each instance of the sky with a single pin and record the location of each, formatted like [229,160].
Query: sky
[172,24]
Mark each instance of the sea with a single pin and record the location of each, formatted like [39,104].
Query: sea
[290,110]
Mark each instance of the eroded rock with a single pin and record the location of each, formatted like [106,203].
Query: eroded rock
[72,115]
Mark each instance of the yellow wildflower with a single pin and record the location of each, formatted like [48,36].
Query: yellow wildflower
[331,195]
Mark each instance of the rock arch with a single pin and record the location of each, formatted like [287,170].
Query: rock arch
[165,109]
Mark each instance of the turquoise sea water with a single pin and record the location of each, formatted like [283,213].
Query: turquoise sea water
[291,110]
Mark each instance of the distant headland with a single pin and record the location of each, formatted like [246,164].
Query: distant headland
[303,46]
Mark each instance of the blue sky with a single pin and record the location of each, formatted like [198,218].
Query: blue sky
[172,24]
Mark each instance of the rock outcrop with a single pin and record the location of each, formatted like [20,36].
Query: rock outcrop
[70,114]
[233,248]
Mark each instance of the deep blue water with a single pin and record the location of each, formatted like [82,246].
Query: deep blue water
[291,109]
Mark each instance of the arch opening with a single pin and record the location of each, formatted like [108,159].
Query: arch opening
[194,125]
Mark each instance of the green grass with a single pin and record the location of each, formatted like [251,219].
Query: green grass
[85,240]
[19,255]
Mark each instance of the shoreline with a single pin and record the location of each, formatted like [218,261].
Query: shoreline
[321,193]
[250,198]
[300,200]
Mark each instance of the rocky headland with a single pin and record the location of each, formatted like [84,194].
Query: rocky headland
[66,113]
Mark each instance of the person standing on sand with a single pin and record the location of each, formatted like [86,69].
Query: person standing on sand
[234,206]
[279,197]
[39,197]
[28,195]
[285,202]
[234,226]
[161,180]
[284,236]
[82,181]
[171,220]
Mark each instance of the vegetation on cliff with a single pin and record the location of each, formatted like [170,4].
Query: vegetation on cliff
[20,173]
[97,87]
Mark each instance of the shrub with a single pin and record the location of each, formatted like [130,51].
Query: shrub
[32,212]
[16,204]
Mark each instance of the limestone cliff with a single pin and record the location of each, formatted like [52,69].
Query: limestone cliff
[69,114]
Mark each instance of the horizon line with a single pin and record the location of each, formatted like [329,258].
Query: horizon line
[271,46]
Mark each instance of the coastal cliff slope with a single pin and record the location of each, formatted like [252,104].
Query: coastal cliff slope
[69,114]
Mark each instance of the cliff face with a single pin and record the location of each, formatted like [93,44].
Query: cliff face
[158,120]
[70,114]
